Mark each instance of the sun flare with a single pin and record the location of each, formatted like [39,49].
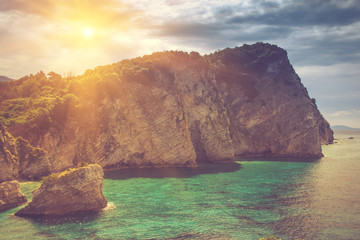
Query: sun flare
[88,32]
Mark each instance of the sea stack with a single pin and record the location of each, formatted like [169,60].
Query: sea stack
[74,191]
[10,195]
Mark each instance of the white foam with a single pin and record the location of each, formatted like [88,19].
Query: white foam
[109,206]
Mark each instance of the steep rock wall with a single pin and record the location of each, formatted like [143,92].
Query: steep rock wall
[270,111]
[19,159]
[71,192]
[10,195]
[174,109]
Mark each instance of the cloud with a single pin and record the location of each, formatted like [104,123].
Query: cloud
[187,30]
[345,113]
[100,13]
[314,32]
[303,13]
[49,33]
[41,7]
[321,37]
[325,45]
[207,31]
[335,87]
[349,118]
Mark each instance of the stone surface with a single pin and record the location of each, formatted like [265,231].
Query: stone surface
[10,195]
[270,111]
[71,192]
[175,109]
[9,162]
[18,159]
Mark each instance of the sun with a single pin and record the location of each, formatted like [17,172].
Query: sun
[88,32]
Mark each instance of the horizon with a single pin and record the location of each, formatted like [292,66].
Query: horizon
[321,38]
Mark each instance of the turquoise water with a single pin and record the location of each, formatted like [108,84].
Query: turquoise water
[312,199]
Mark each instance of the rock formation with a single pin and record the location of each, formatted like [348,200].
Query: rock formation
[167,109]
[270,111]
[73,191]
[19,159]
[10,195]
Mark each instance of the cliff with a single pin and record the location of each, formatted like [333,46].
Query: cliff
[270,111]
[18,159]
[74,191]
[167,109]
[10,195]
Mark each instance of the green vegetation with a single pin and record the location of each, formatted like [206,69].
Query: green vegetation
[83,164]
[268,237]
[253,57]
[49,178]
[54,176]
[35,101]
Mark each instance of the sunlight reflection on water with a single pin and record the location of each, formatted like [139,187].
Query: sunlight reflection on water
[315,199]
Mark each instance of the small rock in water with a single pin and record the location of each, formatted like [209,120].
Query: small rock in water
[74,191]
[10,195]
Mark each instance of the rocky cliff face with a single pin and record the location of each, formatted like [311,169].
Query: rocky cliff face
[10,195]
[71,192]
[177,109]
[270,111]
[19,159]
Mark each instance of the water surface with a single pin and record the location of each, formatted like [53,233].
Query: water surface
[310,199]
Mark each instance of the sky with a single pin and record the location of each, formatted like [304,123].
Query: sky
[322,38]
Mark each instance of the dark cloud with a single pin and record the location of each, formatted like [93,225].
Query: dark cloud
[303,13]
[187,30]
[328,49]
[259,33]
[269,4]
[224,12]
[319,35]
[215,31]
[311,30]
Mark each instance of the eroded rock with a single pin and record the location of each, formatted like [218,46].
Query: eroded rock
[71,192]
[10,195]
[18,158]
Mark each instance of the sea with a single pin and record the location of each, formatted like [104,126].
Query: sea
[285,197]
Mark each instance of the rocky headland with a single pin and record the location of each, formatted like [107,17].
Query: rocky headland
[74,191]
[10,195]
[168,109]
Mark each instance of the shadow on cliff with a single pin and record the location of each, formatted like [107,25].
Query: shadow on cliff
[171,172]
[279,159]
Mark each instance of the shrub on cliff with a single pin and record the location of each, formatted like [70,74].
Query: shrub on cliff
[49,178]
[268,237]
[35,102]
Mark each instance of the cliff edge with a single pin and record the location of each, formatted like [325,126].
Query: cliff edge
[270,111]
[168,109]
